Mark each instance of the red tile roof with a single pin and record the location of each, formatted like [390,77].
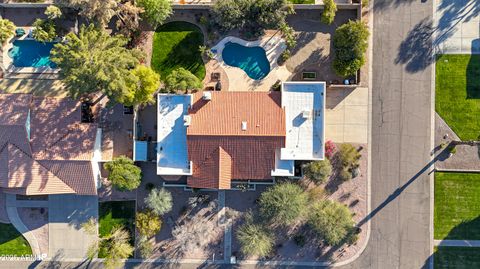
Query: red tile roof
[57,157]
[221,150]
[224,114]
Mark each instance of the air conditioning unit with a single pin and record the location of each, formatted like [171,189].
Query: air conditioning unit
[207,96]
[307,114]
[187,120]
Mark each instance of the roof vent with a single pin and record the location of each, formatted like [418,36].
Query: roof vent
[207,96]
[187,120]
[244,125]
[307,114]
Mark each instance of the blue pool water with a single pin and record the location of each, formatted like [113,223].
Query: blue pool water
[252,60]
[31,53]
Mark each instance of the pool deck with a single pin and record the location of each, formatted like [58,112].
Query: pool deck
[273,45]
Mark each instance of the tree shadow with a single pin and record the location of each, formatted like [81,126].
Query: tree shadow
[473,76]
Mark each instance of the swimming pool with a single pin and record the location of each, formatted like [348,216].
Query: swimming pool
[31,53]
[252,60]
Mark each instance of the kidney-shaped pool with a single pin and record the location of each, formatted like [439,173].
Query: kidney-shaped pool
[252,60]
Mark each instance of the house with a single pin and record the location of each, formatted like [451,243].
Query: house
[45,148]
[220,138]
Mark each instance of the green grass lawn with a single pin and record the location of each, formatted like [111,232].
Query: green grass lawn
[457,98]
[12,242]
[176,45]
[117,213]
[456,257]
[457,206]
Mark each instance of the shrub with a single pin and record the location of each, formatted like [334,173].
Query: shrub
[44,31]
[149,186]
[123,173]
[330,149]
[145,246]
[254,240]
[53,12]
[452,149]
[318,171]
[345,174]
[350,45]
[7,29]
[283,203]
[316,193]
[286,55]
[159,201]
[328,15]
[349,155]
[148,223]
[299,240]
[182,80]
[155,11]
[332,221]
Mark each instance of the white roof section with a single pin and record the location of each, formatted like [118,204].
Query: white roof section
[140,151]
[304,104]
[172,155]
[283,168]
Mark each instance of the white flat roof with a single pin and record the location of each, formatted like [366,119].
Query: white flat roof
[172,155]
[304,104]
[283,168]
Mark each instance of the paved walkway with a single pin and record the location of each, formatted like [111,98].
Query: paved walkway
[12,212]
[457,243]
[227,224]
[457,26]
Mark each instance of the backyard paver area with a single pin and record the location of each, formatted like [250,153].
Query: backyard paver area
[456,257]
[457,26]
[314,43]
[175,45]
[457,94]
[12,242]
[457,206]
[38,87]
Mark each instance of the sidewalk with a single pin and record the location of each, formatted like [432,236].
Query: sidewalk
[457,243]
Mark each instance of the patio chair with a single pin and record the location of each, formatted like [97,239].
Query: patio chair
[19,32]
[215,76]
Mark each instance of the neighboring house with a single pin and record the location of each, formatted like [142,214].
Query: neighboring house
[45,148]
[220,138]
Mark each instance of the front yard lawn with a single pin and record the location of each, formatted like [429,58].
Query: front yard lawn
[114,214]
[457,96]
[176,45]
[456,257]
[12,242]
[457,206]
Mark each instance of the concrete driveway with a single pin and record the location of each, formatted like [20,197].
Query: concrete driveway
[457,26]
[66,214]
[346,115]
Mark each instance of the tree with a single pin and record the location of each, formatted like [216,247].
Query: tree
[148,223]
[123,173]
[328,15]
[181,79]
[144,86]
[53,12]
[253,16]
[318,171]
[99,12]
[350,43]
[159,201]
[254,239]
[283,203]
[44,30]
[116,245]
[348,155]
[7,29]
[155,11]
[90,226]
[331,220]
[93,61]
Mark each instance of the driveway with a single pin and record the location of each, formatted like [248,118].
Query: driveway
[458,26]
[66,214]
